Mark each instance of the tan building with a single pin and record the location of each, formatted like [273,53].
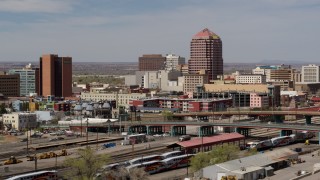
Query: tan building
[192,81]
[272,90]
[55,76]
[183,68]
[122,99]
[10,85]
[152,62]
[20,121]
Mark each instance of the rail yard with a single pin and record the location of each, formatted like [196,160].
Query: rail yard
[118,153]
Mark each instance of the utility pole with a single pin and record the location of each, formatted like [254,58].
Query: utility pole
[35,162]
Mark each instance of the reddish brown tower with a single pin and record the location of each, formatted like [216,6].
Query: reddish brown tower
[55,76]
[206,54]
[151,62]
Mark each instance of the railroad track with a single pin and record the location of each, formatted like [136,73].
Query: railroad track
[119,157]
[52,147]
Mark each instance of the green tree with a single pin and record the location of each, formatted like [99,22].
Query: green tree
[200,161]
[3,109]
[167,115]
[122,173]
[219,154]
[85,165]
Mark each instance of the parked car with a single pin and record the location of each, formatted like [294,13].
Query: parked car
[185,138]
[166,134]
[24,140]
[56,139]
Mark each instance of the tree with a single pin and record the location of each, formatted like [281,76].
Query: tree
[200,161]
[122,173]
[219,154]
[168,115]
[86,165]
[3,109]
[138,174]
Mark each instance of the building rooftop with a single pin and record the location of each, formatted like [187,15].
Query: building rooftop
[206,34]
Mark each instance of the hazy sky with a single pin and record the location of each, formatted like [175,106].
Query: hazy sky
[122,30]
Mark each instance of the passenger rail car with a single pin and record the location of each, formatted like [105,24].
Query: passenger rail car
[171,154]
[40,175]
[150,167]
[143,159]
[178,161]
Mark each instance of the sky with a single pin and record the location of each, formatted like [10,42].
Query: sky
[123,30]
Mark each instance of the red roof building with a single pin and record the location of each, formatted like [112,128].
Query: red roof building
[207,142]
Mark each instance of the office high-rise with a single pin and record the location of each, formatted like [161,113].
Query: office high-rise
[151,62]
[28,79]
[206,54]
[55,75]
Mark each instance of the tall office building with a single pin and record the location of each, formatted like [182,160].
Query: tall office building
[28,79]
[55,75]
[151,62]
[310,73]
[172,61]
[206,54]
[10,85]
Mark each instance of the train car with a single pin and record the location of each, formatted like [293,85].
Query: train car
[40,175]
[171,154]
[114,166]
[150,167]
[281,141]
[137,138]
[177,161]
[143,159]
[261,145]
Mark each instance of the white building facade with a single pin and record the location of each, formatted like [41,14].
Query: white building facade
[251,79]
[310,73]
[20,121]
[122,99]
[172,61]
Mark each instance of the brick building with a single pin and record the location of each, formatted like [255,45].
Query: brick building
[206,54]
[152,62]
[55,76]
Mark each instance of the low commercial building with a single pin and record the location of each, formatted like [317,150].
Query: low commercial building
[182,104]
[253,167]
[20,121]
[121,99]
[272,90]
[251,79]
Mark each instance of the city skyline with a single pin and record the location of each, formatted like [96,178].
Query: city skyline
[102,31]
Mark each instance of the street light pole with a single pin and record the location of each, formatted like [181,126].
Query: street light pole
[120,123]
[87,130]
[97,138]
